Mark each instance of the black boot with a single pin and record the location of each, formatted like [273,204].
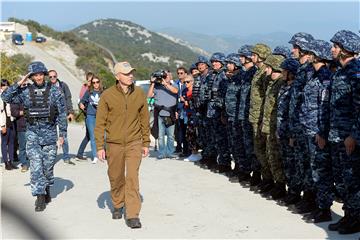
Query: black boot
[244,177]
[47,196]
[40,203]
[291,198]
[267,186]
[323,215]
[351,226]
[8,166]
[222,169]
[255,179]
[279,191]
[338,224]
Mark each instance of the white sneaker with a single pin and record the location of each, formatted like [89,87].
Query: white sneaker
[195,157]
[95,160]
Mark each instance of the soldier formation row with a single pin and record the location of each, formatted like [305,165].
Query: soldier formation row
[285,121]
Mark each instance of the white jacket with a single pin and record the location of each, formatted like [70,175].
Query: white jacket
[3,113]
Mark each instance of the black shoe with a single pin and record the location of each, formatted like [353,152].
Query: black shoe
[40,204]
[321,215]
[133,223]
[255,178]
[8,166]
[222,169]
[80,158]
[338,224]
[244,177]
[117,213]
[351,226]
[279,191]
[202,162]
[266,187]
[307,207]
[13,166]
[47,195]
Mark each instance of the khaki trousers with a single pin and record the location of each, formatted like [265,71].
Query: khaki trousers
[123,171]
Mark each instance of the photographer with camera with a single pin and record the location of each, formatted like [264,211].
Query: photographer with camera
[165,95]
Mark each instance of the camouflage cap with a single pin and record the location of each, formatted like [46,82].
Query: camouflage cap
[320,48]
[347,40]
[301,37]
[233,58]
[291,65]
[218,57]
[203,59]
[274,61]
[37,67]
[245,51]
[262,50]
[282,50]
[192,67]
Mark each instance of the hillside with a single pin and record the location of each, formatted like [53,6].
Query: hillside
[146,50]
[226,44]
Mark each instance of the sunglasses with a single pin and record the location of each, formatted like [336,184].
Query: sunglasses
[96,82]
[52,76]
[187,81]
[180,73]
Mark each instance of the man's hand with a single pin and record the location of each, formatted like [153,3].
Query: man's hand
[320,141]
[101,155]
[70,117]
[3,130]
[350,144]
[23,80]
[145,151]
[60,141]
[82,106]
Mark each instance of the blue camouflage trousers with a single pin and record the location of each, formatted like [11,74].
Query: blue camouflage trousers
[236,145]
[303,175]
[42,161]
[346,170]
[248,139]
[208,139]
[219,132]
[322,175]
[290,168]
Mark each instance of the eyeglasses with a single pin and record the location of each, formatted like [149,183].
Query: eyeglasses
[52,76]
[96,82]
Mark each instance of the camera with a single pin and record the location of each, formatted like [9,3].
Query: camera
[159,76]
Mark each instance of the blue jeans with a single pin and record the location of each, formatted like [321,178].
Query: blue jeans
[168,149]
[65,148]
[22,149]
[8,144]
[90,123]
[84,142]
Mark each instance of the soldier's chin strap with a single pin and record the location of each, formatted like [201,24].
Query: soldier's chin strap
[39,85]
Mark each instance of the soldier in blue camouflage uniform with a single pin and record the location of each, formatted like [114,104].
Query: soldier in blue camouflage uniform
[268,124]
[344,129]
[283,51]
[315,121]
[44,110]
[216,114]
[297,132]
[232,102]
[289,68]
[251,162]
[201,97]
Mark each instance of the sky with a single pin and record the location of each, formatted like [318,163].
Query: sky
[237,18]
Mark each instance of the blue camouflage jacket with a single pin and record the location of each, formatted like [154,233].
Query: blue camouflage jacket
[282,115]
[232,95]
[217,94]
[303,74]
[43,132]
[316,103]
[245,90]
[345,102]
